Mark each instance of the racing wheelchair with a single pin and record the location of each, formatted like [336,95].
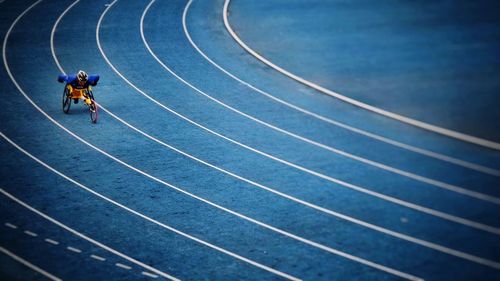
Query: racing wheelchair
[71,94]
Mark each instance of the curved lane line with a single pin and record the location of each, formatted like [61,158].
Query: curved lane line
[298,238]
[466,256]
[401,118]
[428,153]
[294,199]
[421,242]
[229,253]
[354,258]
[423,209]
[83,236]
[123,163]
[27,263]
[440,184]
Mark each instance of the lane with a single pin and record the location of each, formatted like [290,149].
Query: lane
[98,27]
[212,37]
[403,70]
[150,69]
[18,121]
[130,9]
[343,153]
[406,174]
[139,231]
[146,202]
[77,120]
[53,244]
[28,264]
[11,269]
[272,97]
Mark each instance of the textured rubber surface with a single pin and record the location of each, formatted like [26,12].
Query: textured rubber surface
[147,184]
[435,62]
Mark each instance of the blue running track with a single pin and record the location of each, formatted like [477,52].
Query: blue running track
[208,164]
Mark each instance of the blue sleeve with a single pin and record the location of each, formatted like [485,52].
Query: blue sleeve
[93,80]
[69,79]
[62,78]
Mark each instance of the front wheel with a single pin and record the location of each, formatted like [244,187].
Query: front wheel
[93,111]
[66,100]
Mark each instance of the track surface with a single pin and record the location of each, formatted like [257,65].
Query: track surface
[207,164]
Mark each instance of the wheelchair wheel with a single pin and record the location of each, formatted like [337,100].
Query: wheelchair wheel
[66,100]
[93,111]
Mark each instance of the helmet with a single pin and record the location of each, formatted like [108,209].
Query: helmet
[82,76]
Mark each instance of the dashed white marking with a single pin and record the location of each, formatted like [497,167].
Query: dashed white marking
[9,73]
[28,264]
[74,249]
[97,258]
[149,274]
[215,247]
[404,220]
[123,266]
[27,232]
[145,266]
[9,224]
[53,242]
[22,92]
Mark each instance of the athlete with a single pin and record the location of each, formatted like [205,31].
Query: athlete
[78,82]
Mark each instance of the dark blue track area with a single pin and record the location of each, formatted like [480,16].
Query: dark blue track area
[436,61]
[207,164]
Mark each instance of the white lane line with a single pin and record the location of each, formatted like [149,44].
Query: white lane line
[234,255]
[28,264]
[10,225]
[436,247]
[314,244]
[53,242]
[407,120]
[53,31]
[294,199]
[149,274]
[75,250]
[373,227]
[353,220]
[440,184]
[123,266]
[111,250]
[115,159]
[41,111]
[428,153]
[301,168]
[32,234]
[97,258]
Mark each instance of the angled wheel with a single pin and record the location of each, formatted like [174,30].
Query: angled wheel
[66,100]
[93,111]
